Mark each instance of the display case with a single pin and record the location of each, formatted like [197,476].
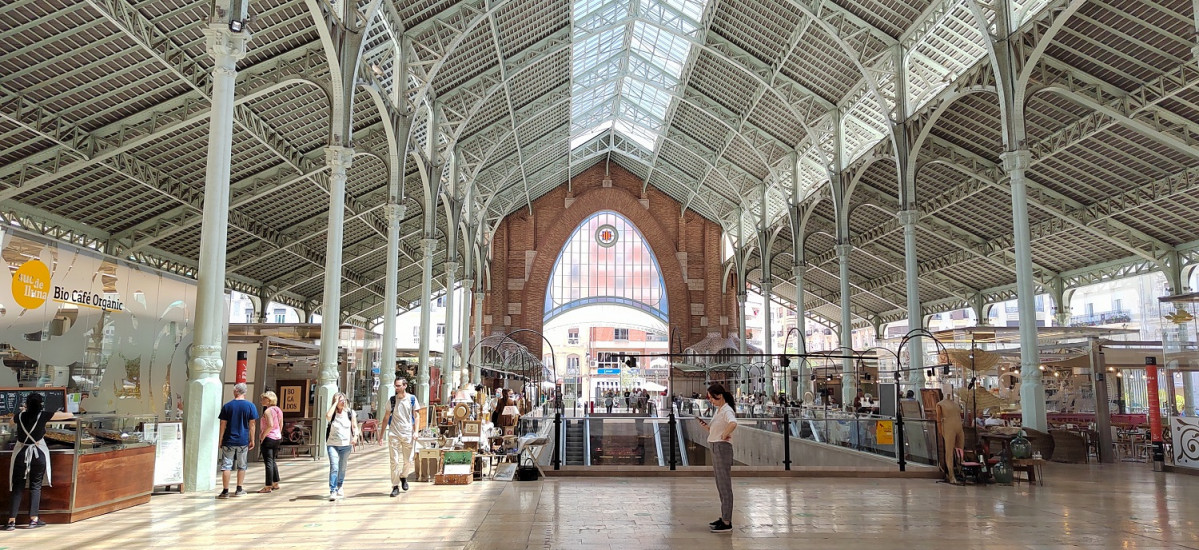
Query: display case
[1180,331]
[98,464]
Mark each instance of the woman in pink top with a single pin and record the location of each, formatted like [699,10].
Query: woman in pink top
[272,437]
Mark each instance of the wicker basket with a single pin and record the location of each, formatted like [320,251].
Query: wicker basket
[452,479]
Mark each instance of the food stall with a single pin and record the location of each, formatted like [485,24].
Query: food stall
[98,463]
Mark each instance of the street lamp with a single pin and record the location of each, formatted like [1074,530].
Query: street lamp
[785,361]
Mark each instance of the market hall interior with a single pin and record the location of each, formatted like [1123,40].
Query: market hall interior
[821,205]
[1099,506]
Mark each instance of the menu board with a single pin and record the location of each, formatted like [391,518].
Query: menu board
[11,399]
[168,455]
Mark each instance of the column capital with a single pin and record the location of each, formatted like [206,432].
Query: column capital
[395,212]
[843,250]
[328,373]
[339,158]
[468,284]
[909,217]
[767,285]
[207,361]
[428,246]
[1016,160]
[225,46]
[797,270]
[451,268]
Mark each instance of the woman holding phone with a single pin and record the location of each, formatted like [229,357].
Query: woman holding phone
[720,438]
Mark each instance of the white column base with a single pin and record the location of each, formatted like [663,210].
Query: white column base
[201,435]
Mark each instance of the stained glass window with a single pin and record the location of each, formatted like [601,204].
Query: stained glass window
[606,260]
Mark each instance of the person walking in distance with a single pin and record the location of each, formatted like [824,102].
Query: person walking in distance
[237,438]
[272,439]
[402,425]
[720,439]
[340,437]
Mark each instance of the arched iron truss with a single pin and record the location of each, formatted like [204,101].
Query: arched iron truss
[880,107]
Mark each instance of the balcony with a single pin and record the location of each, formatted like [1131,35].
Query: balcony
[1104,318]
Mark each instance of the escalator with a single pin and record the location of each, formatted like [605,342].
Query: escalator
[576,448]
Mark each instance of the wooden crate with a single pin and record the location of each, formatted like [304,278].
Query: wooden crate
[452,479]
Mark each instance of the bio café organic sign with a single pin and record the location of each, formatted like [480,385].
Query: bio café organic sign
[31,287]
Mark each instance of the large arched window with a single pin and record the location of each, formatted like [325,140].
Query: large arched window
[606,261]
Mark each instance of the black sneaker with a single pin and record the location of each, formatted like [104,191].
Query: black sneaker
[9,527]
[224,494]
[395,491]
[36,524]
[715,523]
[404,484]
[240,492]
[722,527]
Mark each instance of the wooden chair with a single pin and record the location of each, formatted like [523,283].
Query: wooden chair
[967,466]
[370,430]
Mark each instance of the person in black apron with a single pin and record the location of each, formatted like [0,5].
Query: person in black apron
[30,459]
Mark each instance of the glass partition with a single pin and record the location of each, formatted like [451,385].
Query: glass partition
[646,441]
[113,333]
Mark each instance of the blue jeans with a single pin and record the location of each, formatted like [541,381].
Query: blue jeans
[339,458]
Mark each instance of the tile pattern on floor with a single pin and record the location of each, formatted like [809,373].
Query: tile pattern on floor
[1124,506]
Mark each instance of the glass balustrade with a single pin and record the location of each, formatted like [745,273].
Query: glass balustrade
[585,440]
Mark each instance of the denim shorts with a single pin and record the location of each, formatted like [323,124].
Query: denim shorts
[232,454]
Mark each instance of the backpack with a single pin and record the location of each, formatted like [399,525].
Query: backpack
[329,427]
[411,405]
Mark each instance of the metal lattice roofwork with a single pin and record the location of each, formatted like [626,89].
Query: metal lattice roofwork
[795,124]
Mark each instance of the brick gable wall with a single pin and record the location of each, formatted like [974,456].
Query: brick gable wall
[687,247]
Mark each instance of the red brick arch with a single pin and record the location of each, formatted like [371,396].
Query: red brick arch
[528,242]
[656,234]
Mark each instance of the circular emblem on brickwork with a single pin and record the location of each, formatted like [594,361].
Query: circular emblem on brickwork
[606,235]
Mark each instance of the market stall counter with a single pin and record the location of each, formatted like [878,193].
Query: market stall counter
[98,464]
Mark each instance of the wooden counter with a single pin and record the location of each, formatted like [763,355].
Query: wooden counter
[90,484]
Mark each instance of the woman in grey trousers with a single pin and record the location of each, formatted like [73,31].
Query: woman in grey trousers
[720,437]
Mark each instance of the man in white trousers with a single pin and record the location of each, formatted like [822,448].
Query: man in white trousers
[402,423]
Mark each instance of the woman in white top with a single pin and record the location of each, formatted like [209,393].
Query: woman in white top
[340,439]
[720,438]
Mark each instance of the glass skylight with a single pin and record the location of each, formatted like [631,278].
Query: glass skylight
[627,63]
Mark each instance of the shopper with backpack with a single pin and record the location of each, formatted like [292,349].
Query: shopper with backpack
[402,423]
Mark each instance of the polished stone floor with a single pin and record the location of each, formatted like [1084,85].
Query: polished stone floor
[1123,506]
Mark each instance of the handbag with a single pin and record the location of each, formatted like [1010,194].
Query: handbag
[527,470]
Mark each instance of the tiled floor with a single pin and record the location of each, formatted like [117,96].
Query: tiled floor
[1123,506]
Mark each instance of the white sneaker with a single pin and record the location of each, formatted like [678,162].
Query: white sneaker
[340,494]
[332,496]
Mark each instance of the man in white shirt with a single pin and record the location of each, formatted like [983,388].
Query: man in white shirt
[402,423]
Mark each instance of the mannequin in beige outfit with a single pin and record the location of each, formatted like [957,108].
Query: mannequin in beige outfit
[949,413]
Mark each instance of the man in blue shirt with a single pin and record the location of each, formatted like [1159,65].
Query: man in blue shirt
[237,438]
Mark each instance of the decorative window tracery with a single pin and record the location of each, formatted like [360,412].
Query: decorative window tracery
[606,261]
